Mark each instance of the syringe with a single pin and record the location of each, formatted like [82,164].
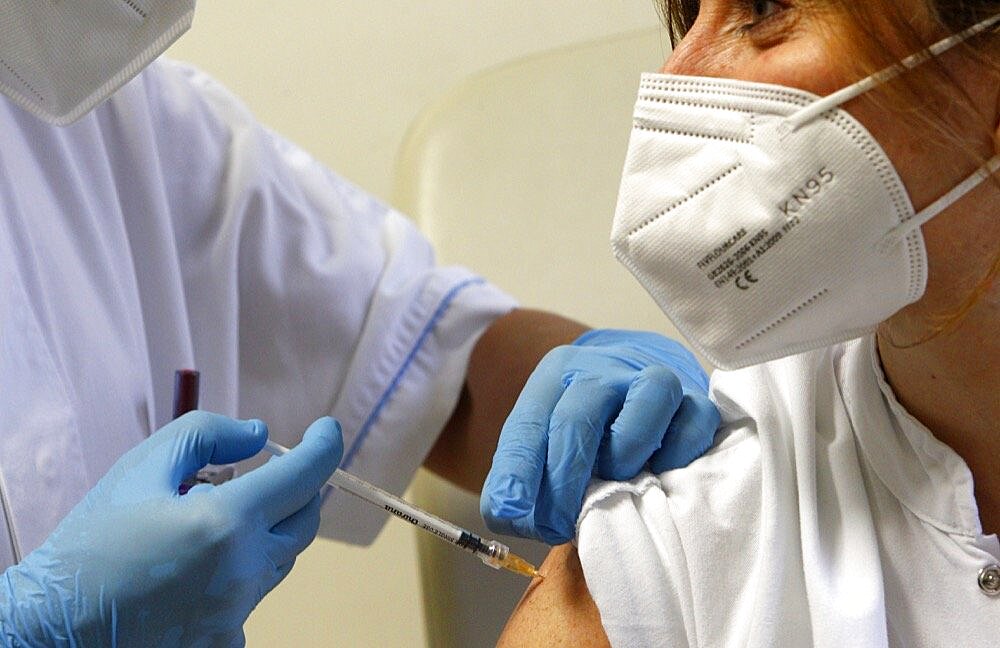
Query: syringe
[493,553]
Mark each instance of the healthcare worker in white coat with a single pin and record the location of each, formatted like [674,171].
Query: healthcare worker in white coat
[165,228]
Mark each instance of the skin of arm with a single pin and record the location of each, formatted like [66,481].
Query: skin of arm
[500,364]
[556,610]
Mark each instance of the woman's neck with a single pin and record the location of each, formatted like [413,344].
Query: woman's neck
[951,384]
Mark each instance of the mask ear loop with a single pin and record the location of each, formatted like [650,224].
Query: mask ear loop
[979,176]
[796,120]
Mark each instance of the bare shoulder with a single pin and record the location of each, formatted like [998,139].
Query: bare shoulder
[556,610]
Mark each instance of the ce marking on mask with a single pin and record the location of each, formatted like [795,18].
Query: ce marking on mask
[737,254]
[731,260]
[743,282]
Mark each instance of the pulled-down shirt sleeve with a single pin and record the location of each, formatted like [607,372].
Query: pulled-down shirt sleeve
[825,515]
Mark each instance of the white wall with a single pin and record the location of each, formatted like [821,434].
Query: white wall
[345,79]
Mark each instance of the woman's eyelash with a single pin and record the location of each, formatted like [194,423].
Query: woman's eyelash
[759,14]
[758,11]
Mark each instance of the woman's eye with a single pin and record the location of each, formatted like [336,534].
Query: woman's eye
[764,9]
[762,13]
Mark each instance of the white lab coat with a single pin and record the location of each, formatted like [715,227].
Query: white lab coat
[168,229]
[825,515]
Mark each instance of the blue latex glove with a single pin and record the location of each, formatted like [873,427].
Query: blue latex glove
[136,564]
[610,404]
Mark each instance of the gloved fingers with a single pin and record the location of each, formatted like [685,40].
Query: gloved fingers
[651,403]
[681,361]
[201,438]
[270,579]
[280,572]
[511,487]
[646,348]
[579,422]
[237,640]
[285,484]
[292,535]
[689,371]
[690,434]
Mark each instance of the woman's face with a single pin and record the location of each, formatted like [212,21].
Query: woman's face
[770,42]
[799,44]
[794,43]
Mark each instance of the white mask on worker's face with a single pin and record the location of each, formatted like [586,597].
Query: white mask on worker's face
[765,220]
[60,58]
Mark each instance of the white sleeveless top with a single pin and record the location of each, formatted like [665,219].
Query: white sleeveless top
[825,515]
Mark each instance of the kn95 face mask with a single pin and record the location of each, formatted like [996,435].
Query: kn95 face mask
[765,220]
[59,59]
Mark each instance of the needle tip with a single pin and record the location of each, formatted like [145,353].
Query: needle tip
[519,565]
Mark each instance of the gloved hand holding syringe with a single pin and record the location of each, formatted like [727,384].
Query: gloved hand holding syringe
[491,552]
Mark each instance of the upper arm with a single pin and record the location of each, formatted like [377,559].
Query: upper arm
[501,362]
[558,609]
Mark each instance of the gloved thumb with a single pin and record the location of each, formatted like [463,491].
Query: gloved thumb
[200,438]
[285,484]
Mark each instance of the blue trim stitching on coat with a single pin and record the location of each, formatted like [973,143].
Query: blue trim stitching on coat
[384,400]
